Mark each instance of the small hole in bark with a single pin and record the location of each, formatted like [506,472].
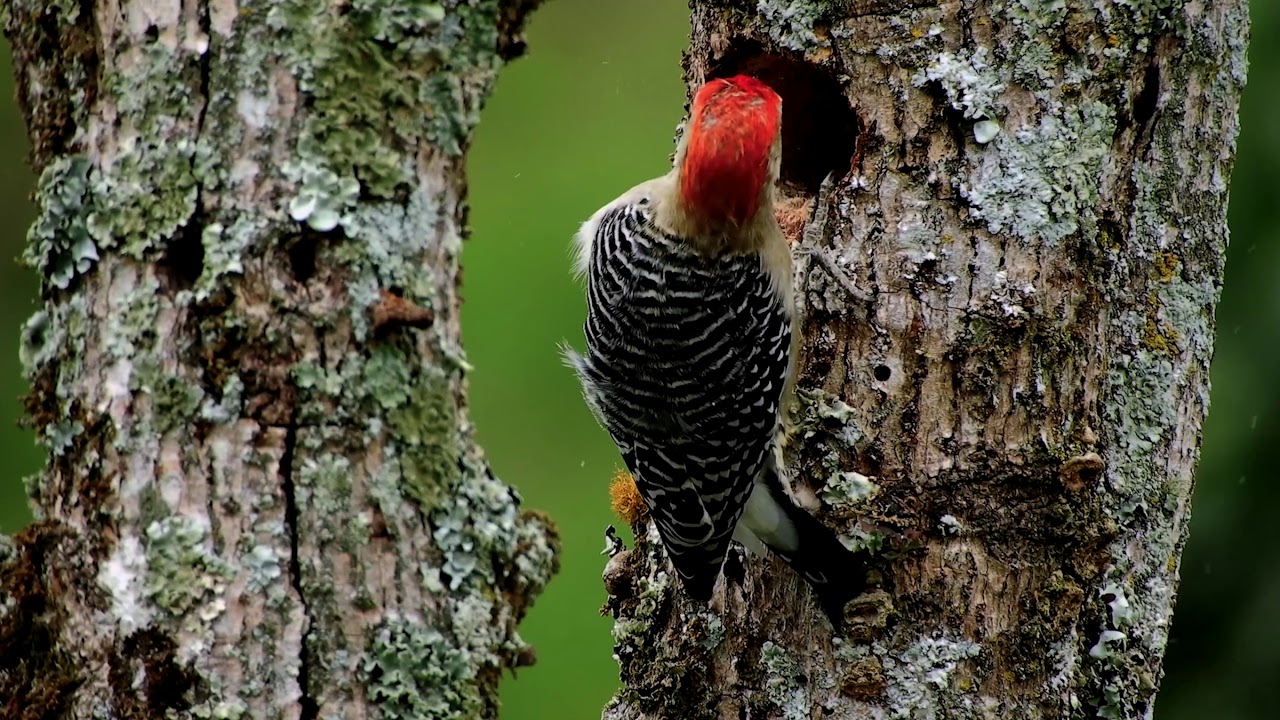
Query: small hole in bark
[882,373]
[302,255]
[734,568]
[819,128]
[1089,476]
[183,260]
[152,33]
[1144,106]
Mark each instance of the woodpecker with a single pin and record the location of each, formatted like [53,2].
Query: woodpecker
[691,347]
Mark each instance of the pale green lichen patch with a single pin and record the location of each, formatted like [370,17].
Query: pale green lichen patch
[175,401]
[984,131]
[226,408]
[66,11]
[631,632]
[421,70]
[860,539]
[1138,597]
[59,245]
[471,620]
[848,488]
[1142,413]
[324,200]
[626,632]
[426,426]
[781,683]
[793,23]
[264,567]
[183,574]
[392,235]
[136,194]
[1138,19]
[1065,658]
[414,404]
[653,591]
[711,630]
[53,339]
[410,67]
[476,522]
[224,251]
[150,188]
[922,676]
[383,242]
[1107,645]
[323,485]
[387,378]
[146,197]
[972,85]
[1035,15]
[57,436]
[916,41]
[950,525]
[40,342]
[536,552]
[818,411]
[1042,181]
[1035,66]
[316,383]
[414,672]
[1111,35]
[475,527]
[131,328]
[1182,310]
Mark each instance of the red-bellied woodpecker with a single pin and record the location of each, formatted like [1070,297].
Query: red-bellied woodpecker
[691,347]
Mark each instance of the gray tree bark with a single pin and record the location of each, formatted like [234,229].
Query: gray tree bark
[263,498]
[1004,384]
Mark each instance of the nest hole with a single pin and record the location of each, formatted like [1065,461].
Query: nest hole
[302,255]
[819,127]
[183,261]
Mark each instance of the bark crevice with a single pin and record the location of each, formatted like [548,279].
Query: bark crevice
[310,709]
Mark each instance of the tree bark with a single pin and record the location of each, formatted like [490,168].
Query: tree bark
[262,497]
[1002,394]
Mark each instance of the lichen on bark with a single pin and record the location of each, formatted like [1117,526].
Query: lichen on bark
[261,500]
[1033,197]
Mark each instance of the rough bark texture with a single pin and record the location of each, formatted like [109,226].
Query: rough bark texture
[262,496]
[1033,195]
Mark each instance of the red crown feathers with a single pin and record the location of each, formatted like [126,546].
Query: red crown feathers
[726,163]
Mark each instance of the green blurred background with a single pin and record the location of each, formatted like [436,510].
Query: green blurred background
[587,113]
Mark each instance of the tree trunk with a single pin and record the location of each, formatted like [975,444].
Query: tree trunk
[262,496]
[1002,395]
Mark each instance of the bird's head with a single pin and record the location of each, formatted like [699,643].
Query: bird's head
[730,151]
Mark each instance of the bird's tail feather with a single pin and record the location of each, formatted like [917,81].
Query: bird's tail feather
[835,573]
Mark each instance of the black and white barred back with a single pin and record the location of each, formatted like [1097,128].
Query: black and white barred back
[686,362]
